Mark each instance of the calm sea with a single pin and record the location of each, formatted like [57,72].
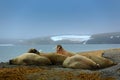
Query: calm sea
[11,51]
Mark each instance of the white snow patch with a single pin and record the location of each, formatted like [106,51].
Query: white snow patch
[111,37]
[118,36]
[71,38]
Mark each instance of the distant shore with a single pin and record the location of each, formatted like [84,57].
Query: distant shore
[57,72]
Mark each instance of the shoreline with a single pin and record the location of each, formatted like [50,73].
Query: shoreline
[57,72]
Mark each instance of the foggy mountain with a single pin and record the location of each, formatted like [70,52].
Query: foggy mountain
[103,38]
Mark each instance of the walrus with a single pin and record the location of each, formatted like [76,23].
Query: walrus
[79,62]
[61,50]
[56,59]
[96,56]
[103,62]
[30,59]
[53,57]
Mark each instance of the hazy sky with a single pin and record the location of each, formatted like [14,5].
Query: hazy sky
[36,18]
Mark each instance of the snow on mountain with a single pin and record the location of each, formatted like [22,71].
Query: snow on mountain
[111,37]
[6,44]
[79,38]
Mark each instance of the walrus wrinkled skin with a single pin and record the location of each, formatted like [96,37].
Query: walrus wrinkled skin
[30,59]
[79,62]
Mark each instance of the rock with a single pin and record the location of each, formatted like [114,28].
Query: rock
[113,54]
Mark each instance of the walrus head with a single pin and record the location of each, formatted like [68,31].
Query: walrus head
[13,61]
[59,49]
[33,50]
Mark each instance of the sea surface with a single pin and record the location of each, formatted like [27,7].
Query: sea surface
[8,52]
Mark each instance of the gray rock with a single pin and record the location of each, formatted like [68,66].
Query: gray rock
[113,54]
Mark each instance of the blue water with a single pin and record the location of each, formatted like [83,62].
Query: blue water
[9,52]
